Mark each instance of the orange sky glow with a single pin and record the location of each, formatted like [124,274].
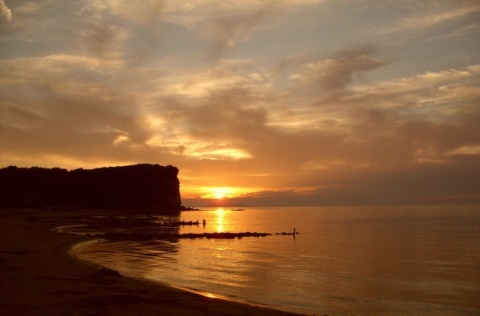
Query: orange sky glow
[289,102]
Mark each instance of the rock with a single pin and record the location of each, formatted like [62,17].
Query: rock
[107,271]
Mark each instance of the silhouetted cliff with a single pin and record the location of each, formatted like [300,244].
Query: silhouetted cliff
[142,186]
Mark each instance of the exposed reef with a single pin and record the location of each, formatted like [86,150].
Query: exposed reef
[142,236]
[155,228]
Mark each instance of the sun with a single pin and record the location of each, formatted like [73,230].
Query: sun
[220,193]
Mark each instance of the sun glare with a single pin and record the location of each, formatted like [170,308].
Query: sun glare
[220,193]
[220,219]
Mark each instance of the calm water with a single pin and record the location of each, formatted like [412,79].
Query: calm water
[357,260]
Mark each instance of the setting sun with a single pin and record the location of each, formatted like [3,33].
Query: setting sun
[220,193]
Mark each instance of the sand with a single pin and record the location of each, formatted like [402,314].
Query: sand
[39,277]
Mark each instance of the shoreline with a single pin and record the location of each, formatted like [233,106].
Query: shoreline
[215,296]
[40,276]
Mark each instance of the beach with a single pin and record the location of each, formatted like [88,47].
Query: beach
[38,276]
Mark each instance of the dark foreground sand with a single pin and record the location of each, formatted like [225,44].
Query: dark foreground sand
[39,277]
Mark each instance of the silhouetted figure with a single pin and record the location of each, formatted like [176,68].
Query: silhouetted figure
[204,222]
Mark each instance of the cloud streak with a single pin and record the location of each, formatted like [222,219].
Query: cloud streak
[423,16]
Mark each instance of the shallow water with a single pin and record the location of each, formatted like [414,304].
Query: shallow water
[357,260]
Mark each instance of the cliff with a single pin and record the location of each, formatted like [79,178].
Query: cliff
[143,186]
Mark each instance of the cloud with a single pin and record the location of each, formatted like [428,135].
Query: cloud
[369,125]
[423,18]
[122,30]
[338,71]
[442,94]
[70,110]
[230,112]
[232,5]
[228,31]
[104,40]
[228,23]
[5,12]
[224,121]
[225,26]
[141,12]
[225,75]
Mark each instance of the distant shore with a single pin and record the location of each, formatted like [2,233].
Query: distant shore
[39,277]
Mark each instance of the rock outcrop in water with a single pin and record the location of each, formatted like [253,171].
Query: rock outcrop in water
[143,186]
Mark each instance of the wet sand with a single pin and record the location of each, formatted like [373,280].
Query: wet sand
[39,277]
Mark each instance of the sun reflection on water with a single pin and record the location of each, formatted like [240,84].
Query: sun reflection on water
[220,219]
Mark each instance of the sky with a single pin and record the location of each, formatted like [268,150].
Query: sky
[287,102]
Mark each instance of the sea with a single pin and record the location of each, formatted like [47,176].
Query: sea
[381,260]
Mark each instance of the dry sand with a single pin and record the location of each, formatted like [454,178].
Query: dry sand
[39,277]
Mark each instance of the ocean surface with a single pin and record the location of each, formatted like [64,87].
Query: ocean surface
[344,260]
